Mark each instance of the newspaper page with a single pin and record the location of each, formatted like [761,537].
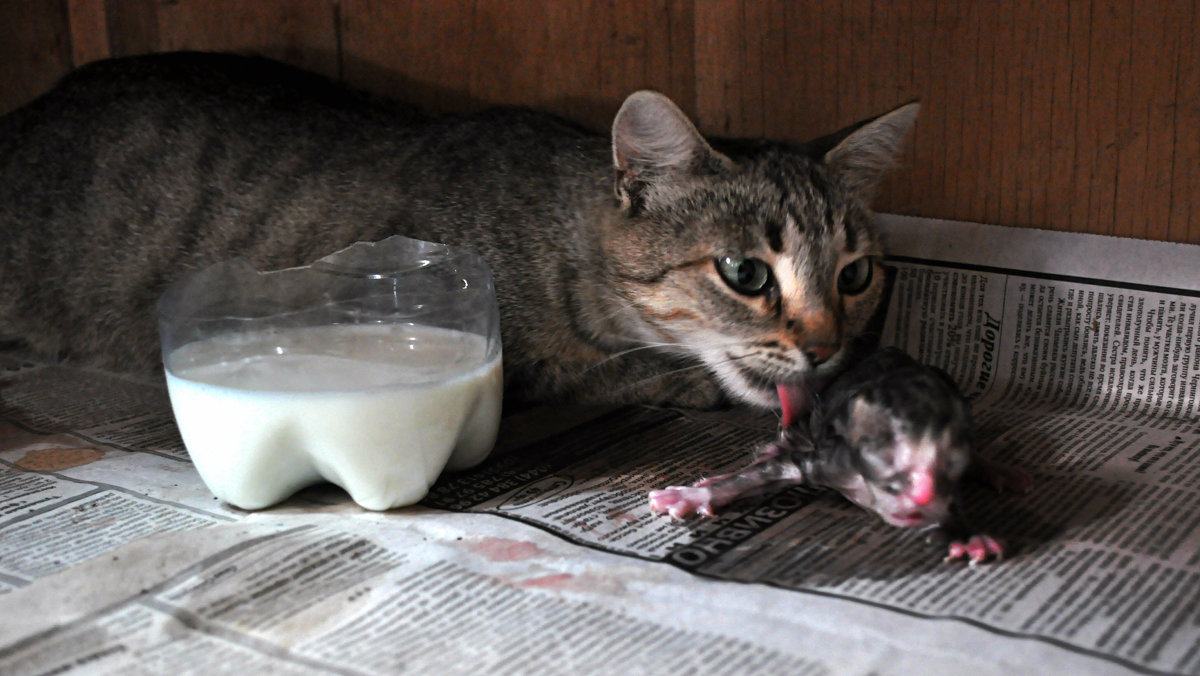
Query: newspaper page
[546,559]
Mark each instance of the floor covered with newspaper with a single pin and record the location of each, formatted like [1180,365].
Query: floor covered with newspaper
[546,559]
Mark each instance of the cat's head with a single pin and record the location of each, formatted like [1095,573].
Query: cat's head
[757,258]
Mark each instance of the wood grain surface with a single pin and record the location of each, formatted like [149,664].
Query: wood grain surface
[1077,115]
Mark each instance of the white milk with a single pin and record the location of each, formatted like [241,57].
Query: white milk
[375,409]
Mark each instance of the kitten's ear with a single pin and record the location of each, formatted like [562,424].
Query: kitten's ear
[653,142]
[867,151]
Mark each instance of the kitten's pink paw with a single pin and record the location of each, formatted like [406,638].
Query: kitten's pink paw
[682,501]
[977,549]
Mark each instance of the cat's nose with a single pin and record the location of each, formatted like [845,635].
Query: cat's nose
[818,334]
[819,354]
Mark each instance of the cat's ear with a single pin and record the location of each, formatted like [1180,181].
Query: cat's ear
[654,142]
[865,152]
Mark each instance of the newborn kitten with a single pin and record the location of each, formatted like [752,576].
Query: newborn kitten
[891,435]
[648,265]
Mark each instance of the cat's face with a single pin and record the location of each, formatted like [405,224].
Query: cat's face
[764,279]
[760,262]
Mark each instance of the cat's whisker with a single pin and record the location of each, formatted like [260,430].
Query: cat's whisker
[677,371]
[651,345]
[640,348]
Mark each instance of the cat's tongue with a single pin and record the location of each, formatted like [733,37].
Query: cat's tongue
[795,400]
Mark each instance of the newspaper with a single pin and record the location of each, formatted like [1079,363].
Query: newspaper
[1078,353]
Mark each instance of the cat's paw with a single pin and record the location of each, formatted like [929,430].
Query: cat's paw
[681,502]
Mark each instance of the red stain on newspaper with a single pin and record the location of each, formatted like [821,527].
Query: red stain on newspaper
[503,549]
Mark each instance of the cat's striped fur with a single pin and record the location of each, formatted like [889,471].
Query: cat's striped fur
[628,266]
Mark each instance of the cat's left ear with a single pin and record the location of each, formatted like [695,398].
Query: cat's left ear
[870,149]
[654,144]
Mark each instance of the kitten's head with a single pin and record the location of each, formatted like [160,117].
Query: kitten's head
[758,258]
[899,445]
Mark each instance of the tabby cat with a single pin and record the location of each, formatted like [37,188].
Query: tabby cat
[649,266]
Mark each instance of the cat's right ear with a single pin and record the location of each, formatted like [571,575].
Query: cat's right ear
[865,152]
[653,143]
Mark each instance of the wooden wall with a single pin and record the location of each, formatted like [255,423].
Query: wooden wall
[1066,114]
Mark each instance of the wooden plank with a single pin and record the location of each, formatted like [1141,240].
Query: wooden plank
[979,107]
[904,89]
[1109,32]
[616,47]
[829,90]
[854,63]
[632,35]
[966,155]
[719,69]
[35,50]
[301,32]
[576,80]
[981,198]
[1135,97]
[678,73]
[939,130]
[814,53]
[1151,212]
[416,51]
[889,67]
[1046,56]
[1184,224]
[89,31]
[778,98]
[509,43]
[752,42]
[667,50]
[578,59]
[798,117]
[1060,182]
[1020,161]
[1080,132]
[1072,114]
[132,26]
[1002,198]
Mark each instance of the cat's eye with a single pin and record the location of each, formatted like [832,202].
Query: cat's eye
[748,276]
[855,277]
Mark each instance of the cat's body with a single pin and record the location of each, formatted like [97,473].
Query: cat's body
[134,171]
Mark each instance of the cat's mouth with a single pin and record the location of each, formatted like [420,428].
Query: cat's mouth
[755,379]
[796,397]
[794,400]
[765,389]
[789,390]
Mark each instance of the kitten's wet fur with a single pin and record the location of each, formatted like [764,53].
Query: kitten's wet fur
[891,435]
[645,266]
